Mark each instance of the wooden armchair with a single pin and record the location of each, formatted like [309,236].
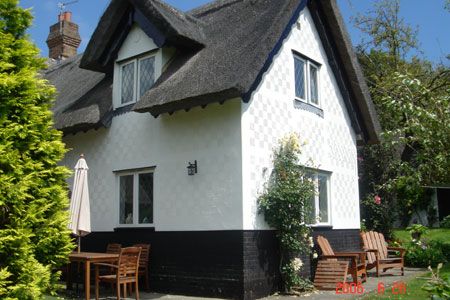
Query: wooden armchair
[355,268]
[143,263]
[113,248]
[378,253]
[126,271]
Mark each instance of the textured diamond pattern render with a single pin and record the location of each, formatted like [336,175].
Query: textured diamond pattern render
[271,115]
[147,75]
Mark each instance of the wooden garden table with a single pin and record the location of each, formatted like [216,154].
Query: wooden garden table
[87,258]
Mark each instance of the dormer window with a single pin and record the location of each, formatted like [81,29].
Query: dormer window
[137,76]
[137,67]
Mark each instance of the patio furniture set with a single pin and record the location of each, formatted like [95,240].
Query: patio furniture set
[333,267]
[118,267]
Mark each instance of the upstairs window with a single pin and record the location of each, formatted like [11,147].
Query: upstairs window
[137,76]
[306,80]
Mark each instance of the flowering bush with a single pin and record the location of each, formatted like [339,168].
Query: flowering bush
[286,206]
[376,212]
[424,253]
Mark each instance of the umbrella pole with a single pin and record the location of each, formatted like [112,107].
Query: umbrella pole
[79,244]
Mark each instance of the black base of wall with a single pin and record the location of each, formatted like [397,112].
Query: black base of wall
[227,264]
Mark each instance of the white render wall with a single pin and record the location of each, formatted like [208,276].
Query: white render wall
[209,200]
[270,115]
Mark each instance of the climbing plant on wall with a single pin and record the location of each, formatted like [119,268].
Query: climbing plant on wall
[286,206]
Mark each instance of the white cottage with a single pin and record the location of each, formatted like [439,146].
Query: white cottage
[158,90]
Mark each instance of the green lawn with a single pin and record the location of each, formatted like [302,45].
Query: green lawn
[414,286]
[442,234]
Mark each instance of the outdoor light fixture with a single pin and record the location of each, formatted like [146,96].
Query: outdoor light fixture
[192,168]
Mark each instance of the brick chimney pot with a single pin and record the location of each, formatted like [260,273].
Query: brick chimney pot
[64,39]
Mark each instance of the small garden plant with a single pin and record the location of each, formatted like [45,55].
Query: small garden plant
[286,206]
[445,223]
[439,288]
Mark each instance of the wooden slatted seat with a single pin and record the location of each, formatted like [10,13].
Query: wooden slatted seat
[378,253]
[143,262]
[355,268]
[329,273]
[126,272]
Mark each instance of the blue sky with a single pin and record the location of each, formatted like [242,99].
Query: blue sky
[431,17]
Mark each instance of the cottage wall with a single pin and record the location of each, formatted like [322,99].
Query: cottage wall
[271,114]
[209,200]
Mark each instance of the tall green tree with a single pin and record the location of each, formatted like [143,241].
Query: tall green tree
[411,98]
[33,194]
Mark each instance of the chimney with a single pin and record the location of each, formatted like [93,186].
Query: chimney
[63,40]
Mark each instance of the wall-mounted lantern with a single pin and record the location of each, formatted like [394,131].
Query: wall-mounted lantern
[192,168]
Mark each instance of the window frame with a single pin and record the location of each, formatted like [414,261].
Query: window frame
[136,84]
[138,73]
[316,213]
[121,67]
[307,65]
[135,173]
[305,81]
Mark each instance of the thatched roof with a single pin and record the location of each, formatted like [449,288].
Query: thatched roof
[84,97]
[223,49]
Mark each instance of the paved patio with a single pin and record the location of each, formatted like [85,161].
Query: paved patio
[370,287]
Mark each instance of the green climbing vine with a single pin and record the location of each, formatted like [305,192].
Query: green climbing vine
[287,207]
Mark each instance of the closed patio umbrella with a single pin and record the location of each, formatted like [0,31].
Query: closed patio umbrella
[80,215]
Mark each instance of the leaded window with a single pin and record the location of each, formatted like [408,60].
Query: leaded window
[306,77]
[137,76]
[136,198]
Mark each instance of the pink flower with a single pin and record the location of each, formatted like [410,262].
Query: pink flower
[360,159]
[377,199]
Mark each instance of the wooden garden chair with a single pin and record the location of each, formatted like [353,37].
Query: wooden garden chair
[126,272]
[143,263]
[355,268]
[113,248]
[378,253]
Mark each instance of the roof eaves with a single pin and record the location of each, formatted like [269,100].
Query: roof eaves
[344,62]
[275,50]
[188,103]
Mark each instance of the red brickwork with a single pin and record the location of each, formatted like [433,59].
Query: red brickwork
[63,40]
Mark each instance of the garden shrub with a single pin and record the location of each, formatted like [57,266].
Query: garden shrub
[33,194]
[445,222]
[426,253]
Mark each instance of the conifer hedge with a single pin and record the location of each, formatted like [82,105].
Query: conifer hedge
[33,194]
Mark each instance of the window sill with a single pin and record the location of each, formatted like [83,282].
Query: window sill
[123,109]
[322,227]
[135,227]
[308,107]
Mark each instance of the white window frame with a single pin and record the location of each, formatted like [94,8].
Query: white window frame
[122,66]
[117,88]
[316,213]
[135,197]
[307,64]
